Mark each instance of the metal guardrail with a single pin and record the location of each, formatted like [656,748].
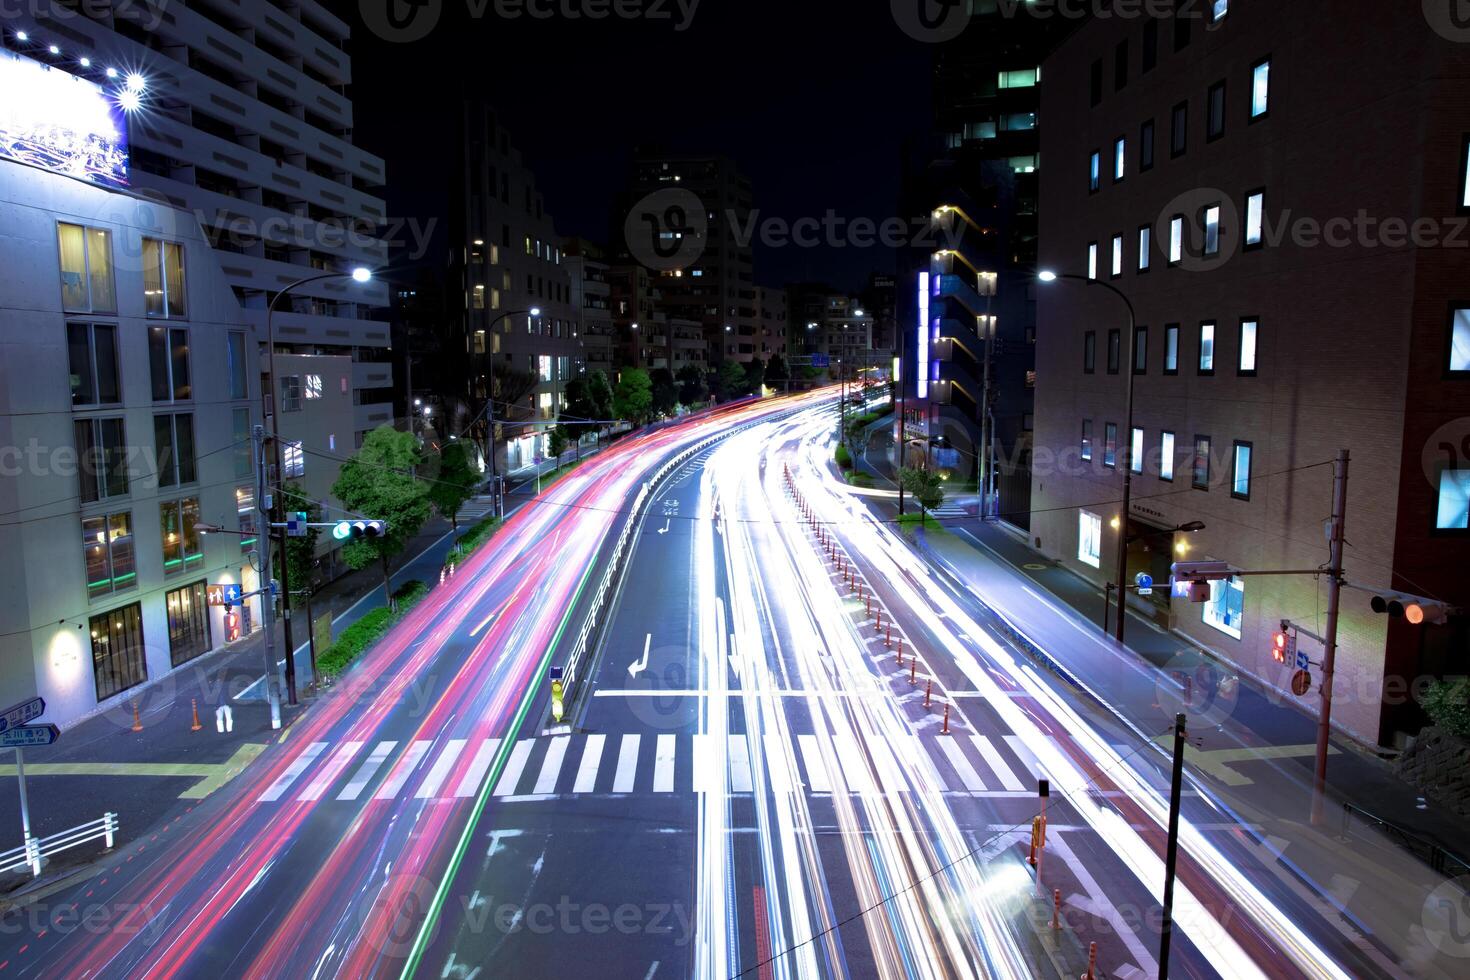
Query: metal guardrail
[35,849]
[1440,860]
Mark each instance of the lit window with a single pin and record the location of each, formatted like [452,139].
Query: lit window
[163,278]
[1087,439]
[1212,230]
[1135,451]
[1247,363]
[107,547]
[86,269]
[1460,341]
[1454,501]
[1145,244]
[1092,260]
[1200,478]
[1255,204]
[1207,347]
[1260,89]
[1240,474]
[1226,607]
[1176,239]
[1089,539]
[291,393]
[1219,8]
[1171,349]
[293,459]
[178,522]
[1120,155]
[1110,444]
[119,660]
[1094,171]
[1166,456]
[245,517]
[1117,256]
[1021,78]
[543,364]
[313,389]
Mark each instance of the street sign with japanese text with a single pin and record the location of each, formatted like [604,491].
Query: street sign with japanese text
[21,713]
[25,736]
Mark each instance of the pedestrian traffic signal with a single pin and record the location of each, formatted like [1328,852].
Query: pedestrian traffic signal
[1283,647]
[352,530]
[1411,608]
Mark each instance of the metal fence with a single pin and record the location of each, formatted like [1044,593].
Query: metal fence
[31,853]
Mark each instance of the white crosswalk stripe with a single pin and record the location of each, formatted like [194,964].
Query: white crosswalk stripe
[536,768]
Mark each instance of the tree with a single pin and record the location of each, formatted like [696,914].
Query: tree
[924,486]
[557,442]
[776,369]
[633,397]
[378,482]
[729,380]
[300,552]
[691,385]
[755,376]
[600,395]
[452,480]
[665,392]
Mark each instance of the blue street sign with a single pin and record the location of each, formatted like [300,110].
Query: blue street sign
[21,713]
[821,360]
[556,673]
[27,735]
[1302,663]
[1145,583]
[223,595]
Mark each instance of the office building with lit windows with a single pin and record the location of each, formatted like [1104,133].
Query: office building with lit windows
[129,382]
[1300,288]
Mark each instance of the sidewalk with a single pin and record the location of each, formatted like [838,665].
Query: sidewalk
[153,775]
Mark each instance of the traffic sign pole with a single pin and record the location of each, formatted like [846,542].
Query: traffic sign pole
[25,812]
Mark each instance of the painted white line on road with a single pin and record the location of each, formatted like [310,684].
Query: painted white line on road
[591,760]
[780,765]
[638,666]
[997,764]
[709,775]
[469,783]
[855,774]
[816,769]
[551,765]
[366,771]
[969,778]
[329,772]
[514,767]
[663,765]
[739,765]
[296,768]
[627,764]
[404,768]
[440,770]
[1027,757]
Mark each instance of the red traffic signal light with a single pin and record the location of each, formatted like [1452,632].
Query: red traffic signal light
[1409,608]
[1278,647]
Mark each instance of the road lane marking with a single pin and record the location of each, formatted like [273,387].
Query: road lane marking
[469,783]
[514,766]
[925,774]
[969,778]
[399,774]
[1027,757]
[551,765]
[779,764]
[296,768]
[992,757]
[366,771]
[816,769]
[440,770]
[663,764]
[709,775]
[739,764]
[591,760]
[638,666]
[627,764]
[328,773]
[855,774]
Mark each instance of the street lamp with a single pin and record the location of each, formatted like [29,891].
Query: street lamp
[1127,362]
[361,274]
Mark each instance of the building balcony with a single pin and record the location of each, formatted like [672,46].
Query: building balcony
[955,288]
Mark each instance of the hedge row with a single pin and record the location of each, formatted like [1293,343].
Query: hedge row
[843,457]
[362,634]
[471,539]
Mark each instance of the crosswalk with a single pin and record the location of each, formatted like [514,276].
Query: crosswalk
[661,764]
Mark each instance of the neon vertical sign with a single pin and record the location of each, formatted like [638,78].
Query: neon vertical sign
[921,375]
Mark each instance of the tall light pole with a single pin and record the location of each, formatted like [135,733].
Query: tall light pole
[1126,437]
[361,274]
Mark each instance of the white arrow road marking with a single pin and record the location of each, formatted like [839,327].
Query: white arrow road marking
[638,666]
[224,719]
[665,528]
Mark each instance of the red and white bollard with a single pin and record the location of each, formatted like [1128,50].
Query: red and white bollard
[945,729]
[888,636]
[1091,973]
[1056,908]
[913,670]
[928,691]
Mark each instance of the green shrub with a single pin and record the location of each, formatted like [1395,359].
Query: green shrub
[357,638]
[860,479]
[1448,705]
[470,540]
[843,457]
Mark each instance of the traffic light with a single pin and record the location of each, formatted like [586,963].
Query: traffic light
[1283,646]
[353,530]
[1411,608]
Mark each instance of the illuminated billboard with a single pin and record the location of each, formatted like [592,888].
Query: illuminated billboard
[58,121]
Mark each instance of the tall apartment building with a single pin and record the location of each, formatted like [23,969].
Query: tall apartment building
[587,269]
[244,123]
[1218,171]
[770,304]
[129,384]
[717,287]
[512,284]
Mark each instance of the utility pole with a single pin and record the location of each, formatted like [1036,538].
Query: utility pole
[1329,655]
[1171,855]
[987,419]
[267,605]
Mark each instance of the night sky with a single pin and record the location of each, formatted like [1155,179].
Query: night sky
[816,102]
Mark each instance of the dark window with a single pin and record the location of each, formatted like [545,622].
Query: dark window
[107,549]
[173,440]
[1150,44]
[1140,350]
[1115,341]
[1096,84]
[168,363]
[1171,348]
[1146,146]
[235,364]
[118,661]
[1089,352]
[1179,130]
[1201,467]
[101,459]
[92,351]
[1183,12]
[1215,117]
[1120,66]
[188,623]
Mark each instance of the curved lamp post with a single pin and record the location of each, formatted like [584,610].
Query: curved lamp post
[1126,438]
[361,274]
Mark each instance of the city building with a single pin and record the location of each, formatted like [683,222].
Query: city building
[512,284]
[1216,170]
[244,121]
[880,300]
[129,386]
[717,286]
[315,417]
[587,270]
[771,305]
